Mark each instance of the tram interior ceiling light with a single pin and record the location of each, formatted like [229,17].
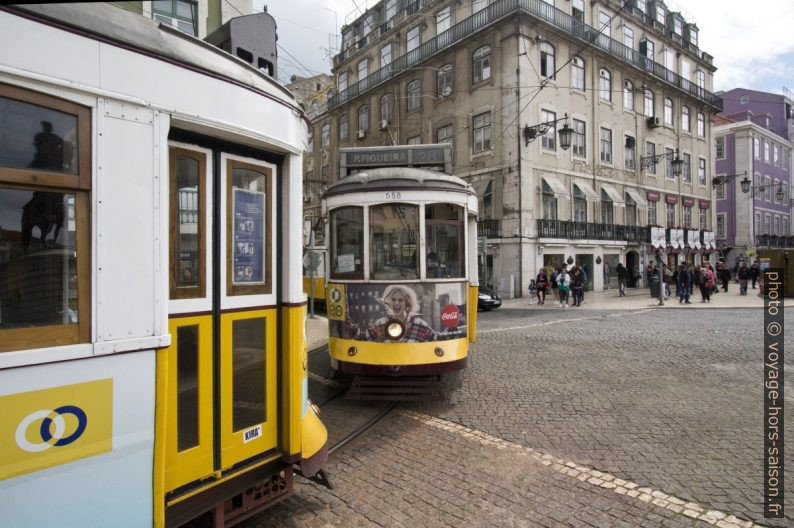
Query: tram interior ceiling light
[677,162]
[566,133]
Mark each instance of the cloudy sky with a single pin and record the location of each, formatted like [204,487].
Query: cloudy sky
[751,42]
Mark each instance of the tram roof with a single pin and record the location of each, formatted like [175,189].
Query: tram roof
[132,31]
[398,178]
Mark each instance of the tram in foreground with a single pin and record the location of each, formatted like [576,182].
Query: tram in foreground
[153,363]
[401,268]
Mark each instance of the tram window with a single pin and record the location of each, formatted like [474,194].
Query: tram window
[248,366]
[347,243]
[187,405]
[394,230]
[44,183]
[248,229]
[187,224]
[444,241]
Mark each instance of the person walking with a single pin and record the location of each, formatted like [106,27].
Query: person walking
[706,284]
[622,273]
[744,276]
[577,283]
[714,289]
[755,272]
[553,279]
[541,282]
[564,286]
[724,276]
[683,284]
[668,278]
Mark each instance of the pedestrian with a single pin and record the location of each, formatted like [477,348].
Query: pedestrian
[683,284]
[713,271]
[553,280]
[564,286]
[668,278]
[724,276]
[577,282]
[542,283]
[755,272]
[693,278]
[744,275]
[583,269]
[533,291]
[651,272]
[622,278]
[707,283]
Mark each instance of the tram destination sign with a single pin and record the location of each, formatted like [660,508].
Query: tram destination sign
[427,156]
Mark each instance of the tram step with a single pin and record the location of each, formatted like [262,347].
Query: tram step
[413,388]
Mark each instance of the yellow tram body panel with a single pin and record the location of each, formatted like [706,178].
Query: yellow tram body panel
[319,287]
[372,353]
[471,313]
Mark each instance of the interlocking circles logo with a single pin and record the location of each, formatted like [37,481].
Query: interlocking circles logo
[49,428]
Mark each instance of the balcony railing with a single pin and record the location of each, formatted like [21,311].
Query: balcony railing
[592,231]
[775,241]
[541,10]
[489,228]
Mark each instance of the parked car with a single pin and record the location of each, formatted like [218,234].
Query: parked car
[487,299]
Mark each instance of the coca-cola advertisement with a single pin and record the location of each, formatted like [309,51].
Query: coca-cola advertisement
[424,312]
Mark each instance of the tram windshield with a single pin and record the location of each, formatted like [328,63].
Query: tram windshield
[394,230]
[444,241]
[347,243]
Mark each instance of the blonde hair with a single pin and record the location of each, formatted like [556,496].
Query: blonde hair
[411,301]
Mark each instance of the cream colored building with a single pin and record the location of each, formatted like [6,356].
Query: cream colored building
[476,74]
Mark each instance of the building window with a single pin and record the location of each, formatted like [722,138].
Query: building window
[549,139]
[785,192]
[720,143]
[704,219]
[648,100]
[768,190]
[701,125]
[701,171]
[415,140]
[579,205]
[686,172]
[699,75]
[745,99]
[412,39]
[670,215]
[577,73]
[481,64]
[631,211]
[579,139]
[668,111]
[606,145]
[325,135]
[310,142]
[363,117]
[547,68]
[776,156]
[652,214]
[628,37]
[343,126]
[179,14]
[668,163]
[577,10]
[444,80]
[413,95]
[628,153]
[628,95]
[385,55]
[605,84]
[481,132]
[766,151]
[757,224]
[660,14]
[387,108]
[604,21]
[444,135]
[607,209]
[486,207]
[549,203]
[721,225]
[678,26]
[756,148]
[341,81]
[776,225]
[685,119]
[391,9]
[767,223]
[687,216]
[650,152]
[720,190]
[443,20]
[363,69]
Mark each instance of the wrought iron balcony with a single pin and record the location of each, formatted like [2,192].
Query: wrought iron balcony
[539,10]
[773,241]
[592,231]
[489,228]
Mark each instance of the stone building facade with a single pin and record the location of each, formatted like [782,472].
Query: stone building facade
[481,75]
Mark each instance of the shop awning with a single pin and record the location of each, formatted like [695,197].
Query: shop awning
[589,192]
[557,187]
[637,197]
[614,195]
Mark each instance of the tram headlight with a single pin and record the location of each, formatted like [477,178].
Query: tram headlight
[394,330]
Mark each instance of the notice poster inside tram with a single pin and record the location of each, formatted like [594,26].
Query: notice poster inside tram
[249,207]
[427,312]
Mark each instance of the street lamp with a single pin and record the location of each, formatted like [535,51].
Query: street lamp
[747,187]
[728,178]
[566,133]
[677,163]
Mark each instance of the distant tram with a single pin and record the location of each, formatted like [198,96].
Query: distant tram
[153,365]
[401,267]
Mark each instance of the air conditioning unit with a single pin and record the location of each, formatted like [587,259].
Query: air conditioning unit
[653,122]
[360,134]
[383,124]
[630,142]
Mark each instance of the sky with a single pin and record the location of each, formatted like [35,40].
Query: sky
[751,42]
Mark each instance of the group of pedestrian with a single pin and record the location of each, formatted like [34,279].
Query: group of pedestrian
[562,283]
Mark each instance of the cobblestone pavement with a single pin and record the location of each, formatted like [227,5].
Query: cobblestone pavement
[657,415]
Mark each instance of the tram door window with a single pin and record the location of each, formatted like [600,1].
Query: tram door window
[394,237]
[444,241]
[219,389]
[347,243]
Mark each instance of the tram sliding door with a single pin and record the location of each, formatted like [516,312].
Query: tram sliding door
[217,381]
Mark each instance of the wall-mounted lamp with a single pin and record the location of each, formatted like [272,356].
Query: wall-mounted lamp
[728,178]
[532,132]
[677,162]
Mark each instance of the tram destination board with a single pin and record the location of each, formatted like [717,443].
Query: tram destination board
[437,156]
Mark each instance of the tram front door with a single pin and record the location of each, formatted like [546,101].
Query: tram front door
[216,383]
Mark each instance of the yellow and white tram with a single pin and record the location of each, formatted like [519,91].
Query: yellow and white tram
[402,263]
[152,344]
